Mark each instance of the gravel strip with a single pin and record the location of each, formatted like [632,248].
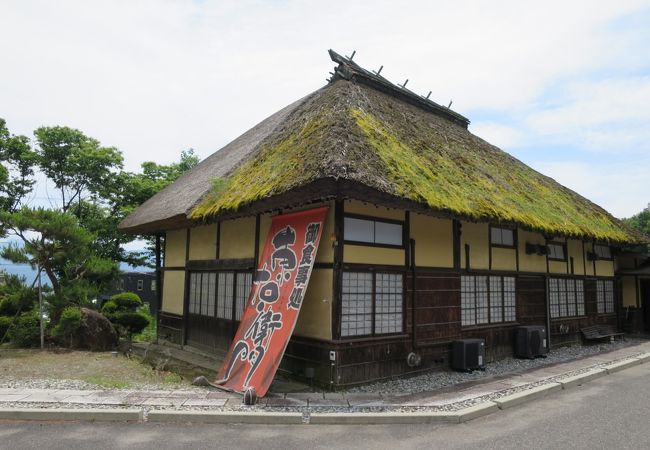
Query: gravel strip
[432,381]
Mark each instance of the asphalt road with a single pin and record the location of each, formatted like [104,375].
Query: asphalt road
[612,412]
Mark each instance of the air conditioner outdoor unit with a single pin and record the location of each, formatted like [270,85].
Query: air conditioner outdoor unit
[530,341]
[468,354]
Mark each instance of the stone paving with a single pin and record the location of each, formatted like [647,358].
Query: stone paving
[445,398]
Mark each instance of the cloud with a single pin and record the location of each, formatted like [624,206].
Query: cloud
[615,185]
[503,136]
[604,115]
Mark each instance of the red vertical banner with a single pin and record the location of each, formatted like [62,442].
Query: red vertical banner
[279,286]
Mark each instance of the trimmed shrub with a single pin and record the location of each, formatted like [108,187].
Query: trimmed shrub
[149,333]
[110,307]
[5,323]
[131,322]
[126,301]
[69,324]
[127,313]
[26,331]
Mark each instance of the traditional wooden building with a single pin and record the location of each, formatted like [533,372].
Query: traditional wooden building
[432,235]
[633,277]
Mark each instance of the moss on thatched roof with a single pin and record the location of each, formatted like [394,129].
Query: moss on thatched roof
[351,131]
[361,129]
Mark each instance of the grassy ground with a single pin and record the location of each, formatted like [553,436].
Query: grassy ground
[101,369]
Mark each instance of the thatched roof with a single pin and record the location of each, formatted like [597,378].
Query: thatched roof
[170,207]
[362,130]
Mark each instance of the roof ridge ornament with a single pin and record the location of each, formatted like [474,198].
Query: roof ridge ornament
[348,69]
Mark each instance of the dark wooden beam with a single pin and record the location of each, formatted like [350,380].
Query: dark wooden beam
[158,277]
[256,253]
[218,250]
[406,237]
[456,233]
[187,245]
[337,283]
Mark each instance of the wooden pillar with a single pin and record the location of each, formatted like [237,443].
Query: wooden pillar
[256,253]
[456,230]
[337,285]
[158,279]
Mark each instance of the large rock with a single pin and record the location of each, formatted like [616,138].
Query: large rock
[96,332]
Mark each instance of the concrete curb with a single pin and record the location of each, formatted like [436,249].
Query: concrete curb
[622,365]
[100,415]
[645,357]
[580,379]
[270,418]
[476,411]
[383,418]
[524,396]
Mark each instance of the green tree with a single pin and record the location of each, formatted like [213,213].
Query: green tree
[17,161]
[641,222]
[55,241]
[16,296]
[76,241]
[136,188]
[77,164]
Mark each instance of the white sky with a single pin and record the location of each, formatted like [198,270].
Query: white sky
[564,86]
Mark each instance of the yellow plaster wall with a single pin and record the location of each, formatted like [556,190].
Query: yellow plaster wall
[175,248]
[203,242]
[367,209]
[574,250]
[315,318]
[530,263]
[434,241]
[557,267]
[589,265]
[476,235]
[604,268]
[503,258]
[325,252]
[629,291]
[237,238]
[373,255]
[173,291]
